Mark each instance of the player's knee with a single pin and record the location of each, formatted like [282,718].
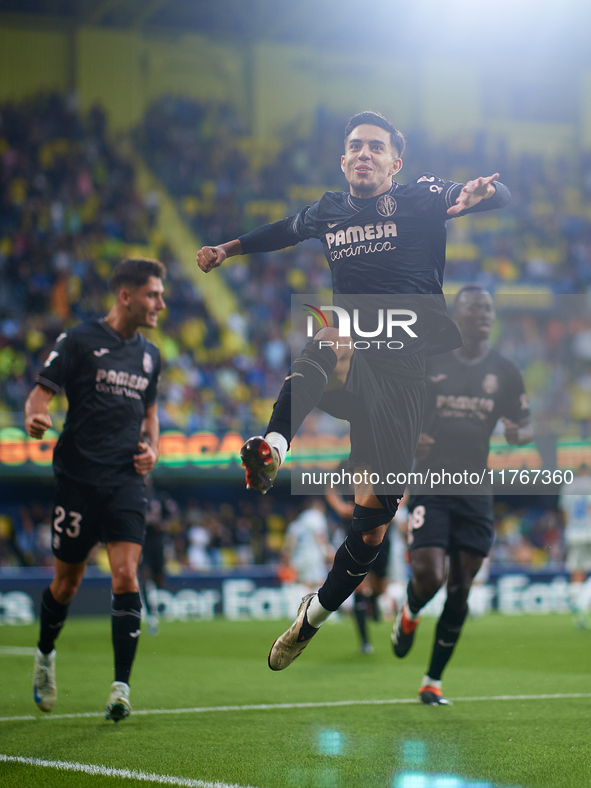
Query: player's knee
[371,523]
[124,579]
[64,589]
[427,582]
[358,550]
[457,593]
[376,537]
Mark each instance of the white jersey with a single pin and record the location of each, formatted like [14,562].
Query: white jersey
[307,540]
[575,502]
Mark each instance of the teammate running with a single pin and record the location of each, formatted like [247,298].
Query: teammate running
[468,391]
[379,238]
[110,374]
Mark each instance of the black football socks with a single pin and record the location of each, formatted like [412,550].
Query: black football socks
[360,605]
[302,389]
[126,615]
[447,634]
[52,617]
[415,603]
[352,562]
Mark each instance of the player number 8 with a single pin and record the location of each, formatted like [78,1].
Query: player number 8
[417,518]
[72,530]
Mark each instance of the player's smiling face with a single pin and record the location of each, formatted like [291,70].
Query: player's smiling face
[146,302]
[475,315]
[369,161]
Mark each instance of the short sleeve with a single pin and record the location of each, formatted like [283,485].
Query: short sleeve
[55,371]
[152,390]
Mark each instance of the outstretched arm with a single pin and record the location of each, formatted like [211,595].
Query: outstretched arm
[474,192]
[268,238]
[211,257]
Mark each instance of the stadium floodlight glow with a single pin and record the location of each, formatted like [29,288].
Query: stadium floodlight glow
[411,780]
[514,20]
[330,742]
[448,781]
[413,752]
[510,10]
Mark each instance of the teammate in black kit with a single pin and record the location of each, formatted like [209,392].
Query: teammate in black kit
[109,373]
[468,391]
[379,238]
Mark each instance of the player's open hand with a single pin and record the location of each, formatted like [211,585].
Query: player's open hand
[145,461]
[511,431]
[210,257]
[473,192]
[424,446]
[36,424]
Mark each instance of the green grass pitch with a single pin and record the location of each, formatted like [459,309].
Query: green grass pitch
[530,743]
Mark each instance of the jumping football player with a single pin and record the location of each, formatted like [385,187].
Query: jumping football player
[379,238]
[110,374]
[468,391]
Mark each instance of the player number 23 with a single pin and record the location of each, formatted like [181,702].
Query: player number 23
[73,529]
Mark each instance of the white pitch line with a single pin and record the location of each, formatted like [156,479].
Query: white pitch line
[309,705]
[17,651]
[127,774]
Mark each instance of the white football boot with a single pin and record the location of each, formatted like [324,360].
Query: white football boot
[44,686]
[118,706]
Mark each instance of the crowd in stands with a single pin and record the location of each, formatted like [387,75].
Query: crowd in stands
[70,210]
[200,534]
[243,530]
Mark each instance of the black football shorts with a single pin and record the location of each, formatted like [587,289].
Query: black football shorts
[452,522]
[84,514]
[385,410]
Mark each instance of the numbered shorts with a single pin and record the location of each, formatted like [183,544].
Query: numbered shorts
[84,514]
[452,522]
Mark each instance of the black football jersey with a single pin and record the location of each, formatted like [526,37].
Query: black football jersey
[109,382]
[393,243]
[465,399]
